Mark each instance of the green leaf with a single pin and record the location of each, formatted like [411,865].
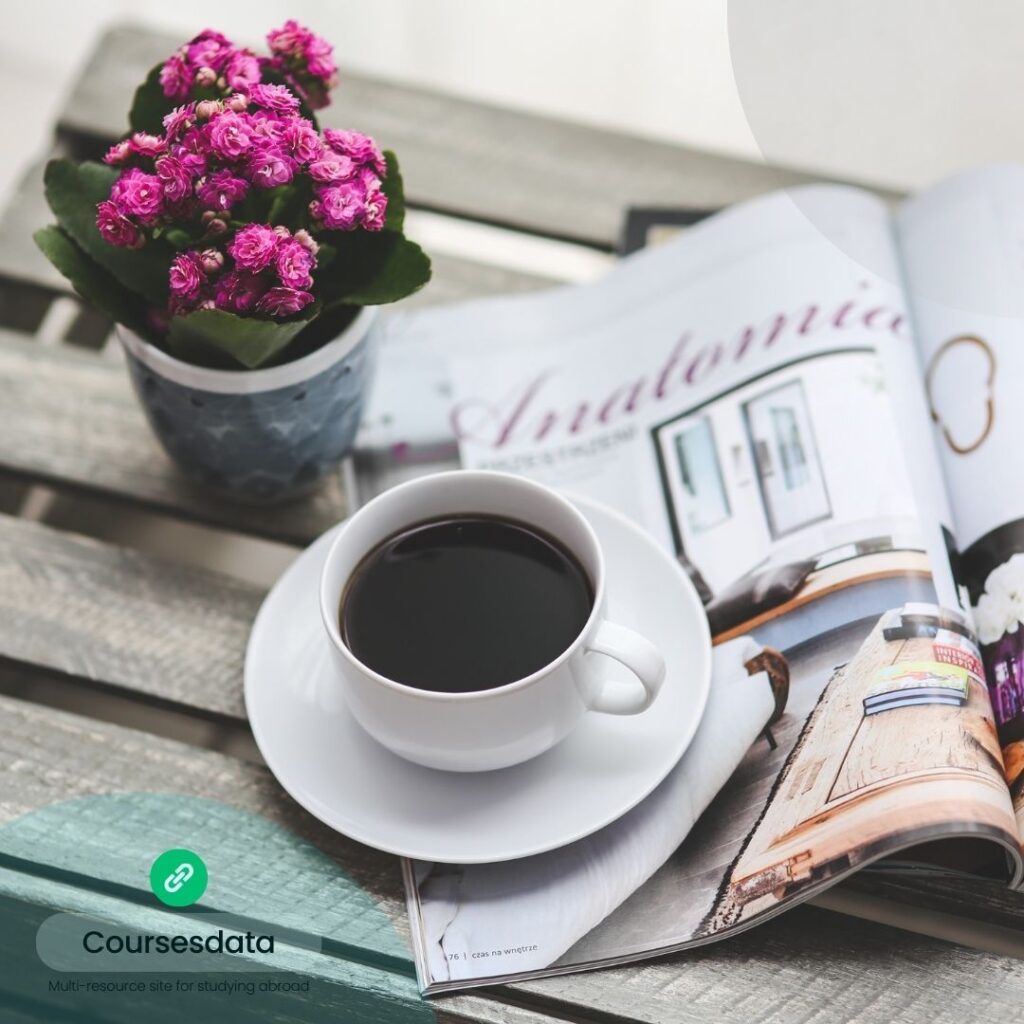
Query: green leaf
[371,268]
[149,105]
[289,204]
[180,238]
[206,336]
[404,270]
[96,285]
[326,327]
[73,191]
[393,188]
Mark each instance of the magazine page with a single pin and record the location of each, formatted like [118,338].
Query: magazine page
[963,251]
[750,394]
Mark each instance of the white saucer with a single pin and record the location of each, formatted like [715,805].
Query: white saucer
[607,765]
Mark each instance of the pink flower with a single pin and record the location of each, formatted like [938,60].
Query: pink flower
[376,209]
[301,140]
[118,153]
[267,127]
[179,119]
[230,135]
[291,38]
[147,145]
[319,56]
[294,263]
[176,78]
[138,195]
[175,179]
[242,70]
[239,291]
[221,190]
[332,167]
[361,148]
[116,228]
[339,207]
[192,151]
[210,49]
[254,247]
[268,168]
[186,277]
[284,301]
[274,97]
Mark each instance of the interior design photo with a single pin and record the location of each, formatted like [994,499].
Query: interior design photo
[786,527]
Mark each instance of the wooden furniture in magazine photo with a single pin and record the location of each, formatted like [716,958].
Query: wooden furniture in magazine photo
[127,596]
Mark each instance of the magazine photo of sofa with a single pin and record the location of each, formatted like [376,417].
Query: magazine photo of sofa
[786,527]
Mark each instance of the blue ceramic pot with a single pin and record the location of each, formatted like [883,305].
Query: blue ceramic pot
[261,435]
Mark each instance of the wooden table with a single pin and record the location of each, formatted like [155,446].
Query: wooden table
[94,635]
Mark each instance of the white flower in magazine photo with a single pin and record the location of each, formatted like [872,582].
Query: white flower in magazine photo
[1000,609]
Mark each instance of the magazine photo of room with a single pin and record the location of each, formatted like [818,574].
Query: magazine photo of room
[789,525]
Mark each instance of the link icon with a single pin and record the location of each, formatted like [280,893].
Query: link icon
[178,878]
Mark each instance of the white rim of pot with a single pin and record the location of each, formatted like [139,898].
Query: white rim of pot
[235,382]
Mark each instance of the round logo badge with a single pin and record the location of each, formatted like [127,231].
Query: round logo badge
[178,878]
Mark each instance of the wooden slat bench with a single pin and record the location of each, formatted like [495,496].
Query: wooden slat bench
[121,671]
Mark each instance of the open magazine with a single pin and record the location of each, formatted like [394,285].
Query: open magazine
[810,401]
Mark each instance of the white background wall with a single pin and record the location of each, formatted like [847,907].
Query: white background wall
[898,93]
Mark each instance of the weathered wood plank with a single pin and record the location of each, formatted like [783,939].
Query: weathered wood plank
[976,899]
[463,157]
[790,969]
[339,989]
[335,985]
[49,756]
[807,965]
[123,618]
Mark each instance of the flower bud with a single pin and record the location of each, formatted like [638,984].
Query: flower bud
[237,102]
[212,260]
[304,238]
[282,232]
[206,76]
[215,226]
[205,109]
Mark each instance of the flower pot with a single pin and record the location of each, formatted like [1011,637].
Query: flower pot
[261,435]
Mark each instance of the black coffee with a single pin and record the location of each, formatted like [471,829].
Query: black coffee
[464,603]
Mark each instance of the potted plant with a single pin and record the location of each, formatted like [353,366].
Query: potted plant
[242,251]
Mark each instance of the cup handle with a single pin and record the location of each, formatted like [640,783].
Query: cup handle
[640,656]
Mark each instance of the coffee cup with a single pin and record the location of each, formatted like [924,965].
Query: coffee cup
[500,725]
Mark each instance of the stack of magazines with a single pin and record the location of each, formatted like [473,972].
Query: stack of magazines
[916,682]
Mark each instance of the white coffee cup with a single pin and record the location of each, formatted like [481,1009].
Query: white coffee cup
[502,726]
